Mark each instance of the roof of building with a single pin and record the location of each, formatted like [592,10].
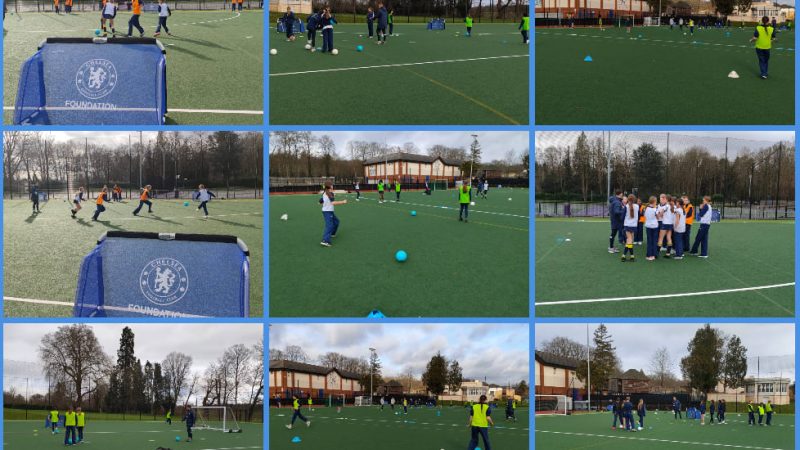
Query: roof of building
[410,157]
[553,360]
[632,374]
[277,364]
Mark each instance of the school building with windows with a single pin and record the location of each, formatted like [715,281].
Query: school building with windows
[584,9]
[298,6]
[287,378]
[556,375]
[777,390]
[410,168]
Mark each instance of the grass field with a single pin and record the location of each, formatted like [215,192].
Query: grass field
[668,78]
[42,253]
[130,435]
[368,428]
[214,60]
[418,77]
[662,432]
[454,269]
[742,255]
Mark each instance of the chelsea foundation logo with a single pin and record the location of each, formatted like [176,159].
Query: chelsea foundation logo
[164,281]
[96,78]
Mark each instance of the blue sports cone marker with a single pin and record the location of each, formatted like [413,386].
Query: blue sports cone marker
[588,59]
[296,439]
[375,314]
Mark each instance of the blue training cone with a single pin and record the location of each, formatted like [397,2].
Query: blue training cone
[296,439]
[375,314]
[588,59]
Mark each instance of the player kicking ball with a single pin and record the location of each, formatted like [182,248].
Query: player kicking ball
[109,12]
[297,413]
[77,202]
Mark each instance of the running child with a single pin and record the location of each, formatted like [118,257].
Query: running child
[109,12]
[77,202]
[144,199]
[691,26]
[464,193]
[480,418]
[168,420]
[701,240]
[297,414]
[485,190]
[99,208]
[310,403]
[163,14]
[763,37]
[380,191]
[205,196]
[133,22]
[188,417]
[357,188]
[405,406]
[630,224]
[331,221]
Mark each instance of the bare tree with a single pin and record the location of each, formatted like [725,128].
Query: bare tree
[661,365]
[73,355]
[176,368]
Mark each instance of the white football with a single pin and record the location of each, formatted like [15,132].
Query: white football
[308,46]
[335,51]
[273,52]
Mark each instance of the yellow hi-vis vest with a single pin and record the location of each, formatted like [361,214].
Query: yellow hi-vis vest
[70,420]
[296,404]
[54,416]
[479,415]
[526,23]
[769,407]
[764,39]
[463,197]
[760,410]
[81,419]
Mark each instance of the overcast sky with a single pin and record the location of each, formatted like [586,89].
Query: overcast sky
[494,144]
[203,342]
[498,352]
[636,343]
[712,140]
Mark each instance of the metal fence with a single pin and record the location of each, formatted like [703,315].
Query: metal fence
[148,7]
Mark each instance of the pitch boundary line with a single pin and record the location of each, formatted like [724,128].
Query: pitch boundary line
[710,444]
[382,66]
[651,297]
[36,301]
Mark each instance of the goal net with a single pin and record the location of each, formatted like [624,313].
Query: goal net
[553,404]
[438,185]
[362,401]
[216,418]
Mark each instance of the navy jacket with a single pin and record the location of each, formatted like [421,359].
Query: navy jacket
[371,17]
[616,212]
[383,17]
[313,21]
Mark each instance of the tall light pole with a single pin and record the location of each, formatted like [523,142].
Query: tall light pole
[371,373]
[472,157]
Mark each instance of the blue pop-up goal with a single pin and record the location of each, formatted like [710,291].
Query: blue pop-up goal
[133,274]
[93,81]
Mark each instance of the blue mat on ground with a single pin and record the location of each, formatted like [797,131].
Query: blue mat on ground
[132,274]
[93,81]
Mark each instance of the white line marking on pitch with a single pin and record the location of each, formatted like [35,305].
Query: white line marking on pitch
[650,297]
[344,69]
[711,444]
[110,308]
[178,110]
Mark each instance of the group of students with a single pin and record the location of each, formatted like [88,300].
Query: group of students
[145,199]
[622,410]
[716,410]
[666,221]
[108,12]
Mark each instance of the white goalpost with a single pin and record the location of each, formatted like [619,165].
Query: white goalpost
[362,401]
[555,405]
[216,418]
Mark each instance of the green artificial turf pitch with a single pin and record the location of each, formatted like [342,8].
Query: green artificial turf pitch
[742,254]
[662,432]
[130,435]
[453,268]
[369,428]
[418,77]
[42,253]
[214,60]
[661,78]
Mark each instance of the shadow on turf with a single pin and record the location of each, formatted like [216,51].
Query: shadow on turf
[228,222]
[161,219]
[32,217]
[204,43]
[190,53]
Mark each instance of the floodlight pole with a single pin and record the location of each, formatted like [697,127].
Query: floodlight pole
[140,159]
[778,182]
[472,158]
[588,370]
[371,372]
[608,166]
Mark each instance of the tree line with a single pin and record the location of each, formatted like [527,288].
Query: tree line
[430,8]
[441,374]
[301,154]
[578,171]
[80,373]
[712,358]
[170,161]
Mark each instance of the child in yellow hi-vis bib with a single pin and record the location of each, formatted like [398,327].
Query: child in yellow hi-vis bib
[763,37]
[479,421]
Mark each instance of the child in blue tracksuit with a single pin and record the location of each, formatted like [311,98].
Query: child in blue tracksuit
[312,25]
[614,413]
[188,417]
[721,411]
[35,199]
[370,22]
[383,23]
[627,407]
[712,408]
[288,23]
[327,22]
[676,404]
[702,409]
[641,410]
[616,213]
[701,240]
